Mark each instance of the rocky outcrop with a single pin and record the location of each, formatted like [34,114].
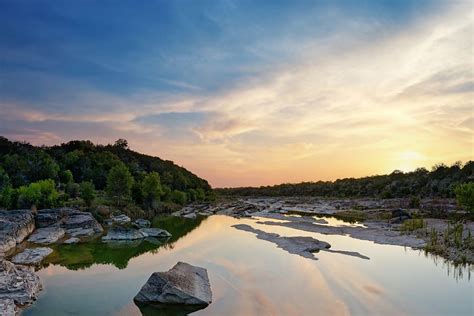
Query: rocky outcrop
[155,232]
[184,284]
[32,256]
[47,235]
[75,223]
[15,226]
[18,283]
[72,240]
[120,219]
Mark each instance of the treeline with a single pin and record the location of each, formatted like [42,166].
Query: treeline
[441,181]
[52,176]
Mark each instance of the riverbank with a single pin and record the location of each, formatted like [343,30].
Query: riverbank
[390,221]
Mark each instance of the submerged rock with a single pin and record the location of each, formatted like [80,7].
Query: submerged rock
[18,283]
[155,232]
[123,233]
[32,255]
[15,226]
[184,284]
[47,235]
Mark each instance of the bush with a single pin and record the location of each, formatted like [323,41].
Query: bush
[87,192]
[41,194]
[151,188]
[178,197]
[465,196]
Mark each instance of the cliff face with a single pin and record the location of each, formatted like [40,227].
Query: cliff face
[15,226]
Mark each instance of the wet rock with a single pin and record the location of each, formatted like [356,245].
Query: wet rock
[18,283]
[47,235]
[142,223]
[155,232]
[73,240]
[399,216]
[81,232]
[15,226]
[123,233]
[7,307]
[190,215]
[121,219]
[184,284]
[32,256]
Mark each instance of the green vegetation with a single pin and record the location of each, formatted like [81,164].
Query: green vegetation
[441,181]
[81,173]
[465,196]
[455,236]
[413,224]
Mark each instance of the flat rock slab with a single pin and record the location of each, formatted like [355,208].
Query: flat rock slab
[18,283]
[15,226]
[32,256]
[122,233]
[72,240]
[47,235]
[155,232]
[184,284]
[121,219]
[71,220]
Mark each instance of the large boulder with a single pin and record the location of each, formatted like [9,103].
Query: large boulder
[32,256]
[18,283]
[142,223]
[47,235]
[184,284]
[121,219]
[15,226]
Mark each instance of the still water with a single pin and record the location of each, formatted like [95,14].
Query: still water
[250,276]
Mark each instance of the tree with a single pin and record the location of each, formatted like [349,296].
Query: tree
[465,196]
[41,194]
[151,188]
[119,184]
[178,197]
[87,192]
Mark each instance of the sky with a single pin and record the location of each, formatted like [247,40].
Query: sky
[245,93]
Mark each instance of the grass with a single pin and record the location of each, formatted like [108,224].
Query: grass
[413,224]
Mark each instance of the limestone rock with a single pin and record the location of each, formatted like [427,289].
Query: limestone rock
[7,307]
[32,255]
[47,235]
[121,219]
[15,226]
[122,233]
[72,240]
[142,223]
[184,284]
[18,283]
[155,232]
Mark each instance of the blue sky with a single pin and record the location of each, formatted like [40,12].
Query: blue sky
[180,71]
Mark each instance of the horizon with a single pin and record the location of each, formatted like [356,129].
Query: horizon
[242,93]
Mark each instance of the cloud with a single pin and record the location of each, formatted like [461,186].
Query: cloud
[330,110]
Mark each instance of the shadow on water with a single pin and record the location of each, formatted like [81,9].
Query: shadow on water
[83,255]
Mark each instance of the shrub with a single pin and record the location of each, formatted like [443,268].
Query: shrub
[41,194]
[178,197]
[465,196]
[151,188]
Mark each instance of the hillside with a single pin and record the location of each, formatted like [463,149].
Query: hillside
[75,162]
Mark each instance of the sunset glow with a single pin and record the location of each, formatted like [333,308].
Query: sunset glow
[330,92]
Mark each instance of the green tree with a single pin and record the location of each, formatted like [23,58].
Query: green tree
[87,192]
[465,196]
[119,184]
[152,190]
[66,176]
[41,194]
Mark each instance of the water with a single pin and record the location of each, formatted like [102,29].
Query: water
[253,277]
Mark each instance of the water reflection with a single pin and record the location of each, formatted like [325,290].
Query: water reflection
[118,253]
